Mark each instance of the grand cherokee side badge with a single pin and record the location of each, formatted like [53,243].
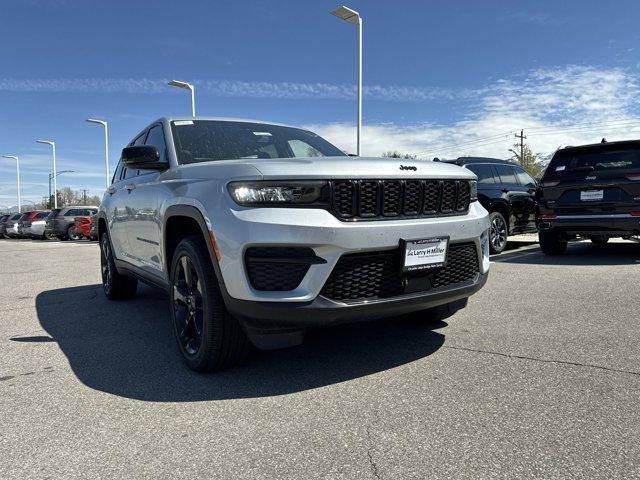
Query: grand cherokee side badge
[591,178]
[408,167]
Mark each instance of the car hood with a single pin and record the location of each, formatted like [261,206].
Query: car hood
[356,167]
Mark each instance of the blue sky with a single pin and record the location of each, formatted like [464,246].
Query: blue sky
[442,78]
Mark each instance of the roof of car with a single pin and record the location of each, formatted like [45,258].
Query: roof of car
[468,160]
[602,145]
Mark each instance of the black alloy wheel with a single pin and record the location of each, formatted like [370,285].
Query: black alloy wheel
[498,237]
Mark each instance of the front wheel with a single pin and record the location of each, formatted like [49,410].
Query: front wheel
[551,243]
[208,336]
[499,233]
[115,285]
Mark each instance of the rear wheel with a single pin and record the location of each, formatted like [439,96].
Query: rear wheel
[551,243]
[498,239]
[208,336]
[115,285]
[73,234]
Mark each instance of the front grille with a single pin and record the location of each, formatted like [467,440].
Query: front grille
[372,275]
[377,199]
[278,268]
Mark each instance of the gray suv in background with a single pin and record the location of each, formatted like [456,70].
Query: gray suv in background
[259,231]
[61,221]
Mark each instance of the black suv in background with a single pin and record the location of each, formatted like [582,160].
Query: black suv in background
[507,192]
[590,191]
[61,222]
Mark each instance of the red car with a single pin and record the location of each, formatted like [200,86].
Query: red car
[83,227]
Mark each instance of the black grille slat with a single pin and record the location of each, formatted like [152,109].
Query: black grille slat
[374,199]
[369,198]
[362,276]
[391,197]
[412,197]
[432,192]
[448,202]
[344,198]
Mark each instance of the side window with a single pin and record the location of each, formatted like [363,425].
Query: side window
[42,215]
[156,138]
[128,173]
[484,173]
[524,178]
[507,173]
[72,212]
[117,173]
[139,140]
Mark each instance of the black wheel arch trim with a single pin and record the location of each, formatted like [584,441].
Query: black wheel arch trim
[194,213]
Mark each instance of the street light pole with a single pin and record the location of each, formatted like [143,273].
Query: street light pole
[351,16]
[190,87]
[55,183]
[50,178]
[18,179]
[106,148]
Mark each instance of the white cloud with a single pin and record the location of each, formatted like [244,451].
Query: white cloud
[569,105]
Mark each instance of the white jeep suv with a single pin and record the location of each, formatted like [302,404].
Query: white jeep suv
[259,231]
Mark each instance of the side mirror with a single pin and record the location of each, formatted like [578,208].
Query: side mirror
[142,157]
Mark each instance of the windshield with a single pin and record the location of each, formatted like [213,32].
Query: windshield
[594,160]
[208,140]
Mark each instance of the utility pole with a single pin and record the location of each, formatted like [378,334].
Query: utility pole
[521,137]
[84,196]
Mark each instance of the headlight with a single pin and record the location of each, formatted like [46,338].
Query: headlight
[473,188]
[273,193]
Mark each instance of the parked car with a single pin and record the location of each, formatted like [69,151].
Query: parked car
[3,224]
[507,191]
[590,191]
[259,231]
[12,226]
[83,226]
[93,232]
[32,224]
[61,222]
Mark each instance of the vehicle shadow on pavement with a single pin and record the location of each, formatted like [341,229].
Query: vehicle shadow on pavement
[127,349]
[582,253]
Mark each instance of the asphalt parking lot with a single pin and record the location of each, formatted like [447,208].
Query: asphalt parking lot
[538,378]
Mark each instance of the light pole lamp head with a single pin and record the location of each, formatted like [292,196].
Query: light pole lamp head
[179,84]
[95,120]
[10,156]
[346,14]
[48,142]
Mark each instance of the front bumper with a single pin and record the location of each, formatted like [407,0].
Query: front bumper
[621,224]
[330,238]
[324,312]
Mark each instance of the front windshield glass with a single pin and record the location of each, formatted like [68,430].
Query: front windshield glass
[209,140]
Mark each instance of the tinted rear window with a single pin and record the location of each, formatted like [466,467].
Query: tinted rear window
[597,159]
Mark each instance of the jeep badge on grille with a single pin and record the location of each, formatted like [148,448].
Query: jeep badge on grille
[408,167]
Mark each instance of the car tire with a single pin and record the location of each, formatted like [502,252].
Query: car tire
[499,233]
[599,241]
[551,243]
[72,233]
[208,336]
[115,285]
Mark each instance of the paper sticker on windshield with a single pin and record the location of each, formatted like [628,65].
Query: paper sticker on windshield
[560,168]
[183,122]
[262,134]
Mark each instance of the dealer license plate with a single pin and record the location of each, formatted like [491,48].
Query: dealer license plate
[425,253]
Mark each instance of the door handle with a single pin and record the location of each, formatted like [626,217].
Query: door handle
[130,187]
[111,190]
